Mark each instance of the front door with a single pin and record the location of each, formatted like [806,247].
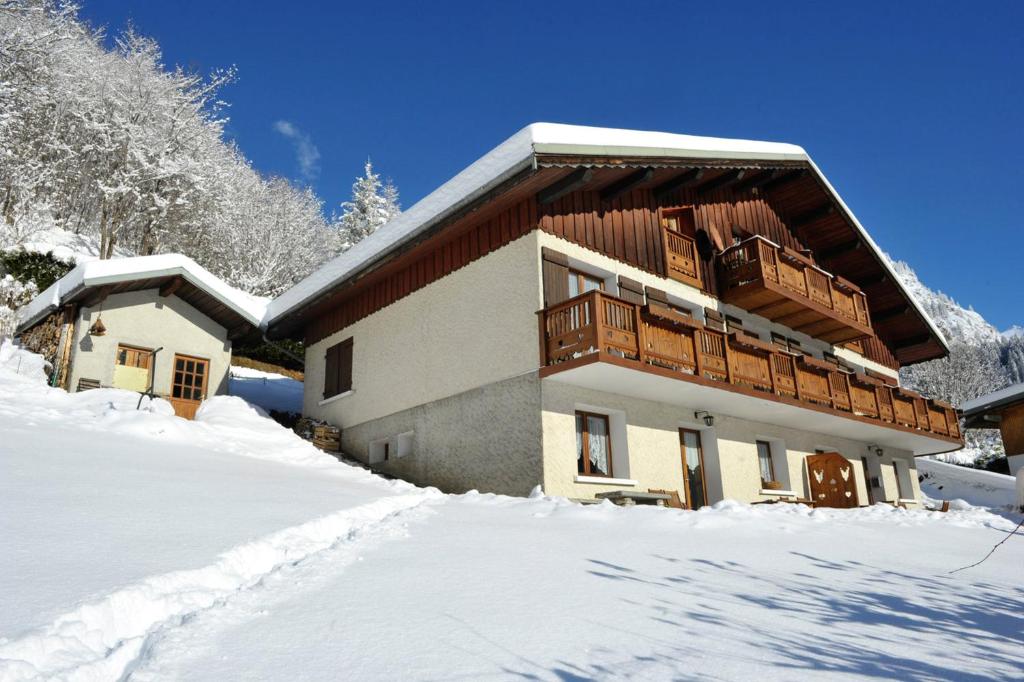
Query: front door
[832,481]
[693,468]
[188,384]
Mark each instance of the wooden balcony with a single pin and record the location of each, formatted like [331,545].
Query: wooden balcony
[681,261]
[787,287]
[655,338]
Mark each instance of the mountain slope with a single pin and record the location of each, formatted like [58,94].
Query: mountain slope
[958,324]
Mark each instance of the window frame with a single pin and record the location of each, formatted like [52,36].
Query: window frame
[899,484]
[668,214]
[687,483]
[770,459]
[343,348]
[583,455]
[141,352]
[581,276]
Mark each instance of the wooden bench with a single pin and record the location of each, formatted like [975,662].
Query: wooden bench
[629,498]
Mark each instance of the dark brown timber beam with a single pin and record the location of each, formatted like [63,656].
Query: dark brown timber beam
[813,215]
[97,296]
[620,187]
[839,250]
[570,183]
[678,182]
[889,313]
[912,341]
[872,280]
[171,287]
[784,180]
[726,178]
[756,180]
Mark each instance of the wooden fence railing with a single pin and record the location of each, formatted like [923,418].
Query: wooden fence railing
[757,259]
[655,335]
[681,260]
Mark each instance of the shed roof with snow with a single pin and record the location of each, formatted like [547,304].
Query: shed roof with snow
[90,282]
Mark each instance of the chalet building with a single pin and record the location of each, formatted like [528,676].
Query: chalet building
[159,324]
[607,311]
[1003,410]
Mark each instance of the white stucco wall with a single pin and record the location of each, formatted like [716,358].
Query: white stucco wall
[146,320]
[684,294]
[474,327]
[654,460]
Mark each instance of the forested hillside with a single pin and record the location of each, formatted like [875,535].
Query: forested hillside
[100,138]
[980,360]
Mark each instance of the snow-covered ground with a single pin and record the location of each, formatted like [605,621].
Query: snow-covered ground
[269,390]
[141,546]
[977,487]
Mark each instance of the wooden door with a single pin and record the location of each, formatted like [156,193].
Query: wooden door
[832,481]
[692,454]
[189,379]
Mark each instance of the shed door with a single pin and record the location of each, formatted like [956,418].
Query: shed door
[832,481]
[189,379]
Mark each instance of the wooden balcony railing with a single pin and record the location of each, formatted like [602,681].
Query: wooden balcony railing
[787,287]
[654,335]
[681,261]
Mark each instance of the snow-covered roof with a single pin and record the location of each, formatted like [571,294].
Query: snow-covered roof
[516,154]
[1003,396]
[119,270]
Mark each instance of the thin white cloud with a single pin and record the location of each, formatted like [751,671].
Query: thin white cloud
[306,153]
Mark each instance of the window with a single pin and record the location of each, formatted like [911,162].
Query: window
[764,459]
[693,468]
[593,445]
[900,492]
[338,369]
[679,220]
[189,381]
[129,356]
[581,283]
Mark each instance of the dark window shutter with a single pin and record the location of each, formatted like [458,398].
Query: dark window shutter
[715,320]
[734,324]
[345,366]
[631,290]
[555,267]
[657,296]
[331,371]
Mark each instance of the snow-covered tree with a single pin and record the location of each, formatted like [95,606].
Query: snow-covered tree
[111,144]
[373,204]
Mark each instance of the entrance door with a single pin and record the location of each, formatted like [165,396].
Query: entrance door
[188,384]
[832,481]
[693,468]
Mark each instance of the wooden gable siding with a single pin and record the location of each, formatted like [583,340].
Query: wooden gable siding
[424,267]
[628,230]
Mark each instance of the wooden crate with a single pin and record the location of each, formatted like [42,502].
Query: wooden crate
[327,438]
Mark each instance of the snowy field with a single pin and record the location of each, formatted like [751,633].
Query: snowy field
[141,546]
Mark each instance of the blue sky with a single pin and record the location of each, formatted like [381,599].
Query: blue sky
[911,109]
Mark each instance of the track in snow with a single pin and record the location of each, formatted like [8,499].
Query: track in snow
[109,638]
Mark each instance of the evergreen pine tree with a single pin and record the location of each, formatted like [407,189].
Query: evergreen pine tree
[373,204]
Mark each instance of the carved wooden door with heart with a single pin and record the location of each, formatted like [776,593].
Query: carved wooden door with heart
[832,482]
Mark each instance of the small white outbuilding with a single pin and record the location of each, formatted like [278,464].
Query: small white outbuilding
[159,324]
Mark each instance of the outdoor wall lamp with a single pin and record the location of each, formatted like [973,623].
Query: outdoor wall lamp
[876,449]
[708,419]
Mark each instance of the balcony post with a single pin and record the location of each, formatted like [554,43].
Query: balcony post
[641,342]
[542,323]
